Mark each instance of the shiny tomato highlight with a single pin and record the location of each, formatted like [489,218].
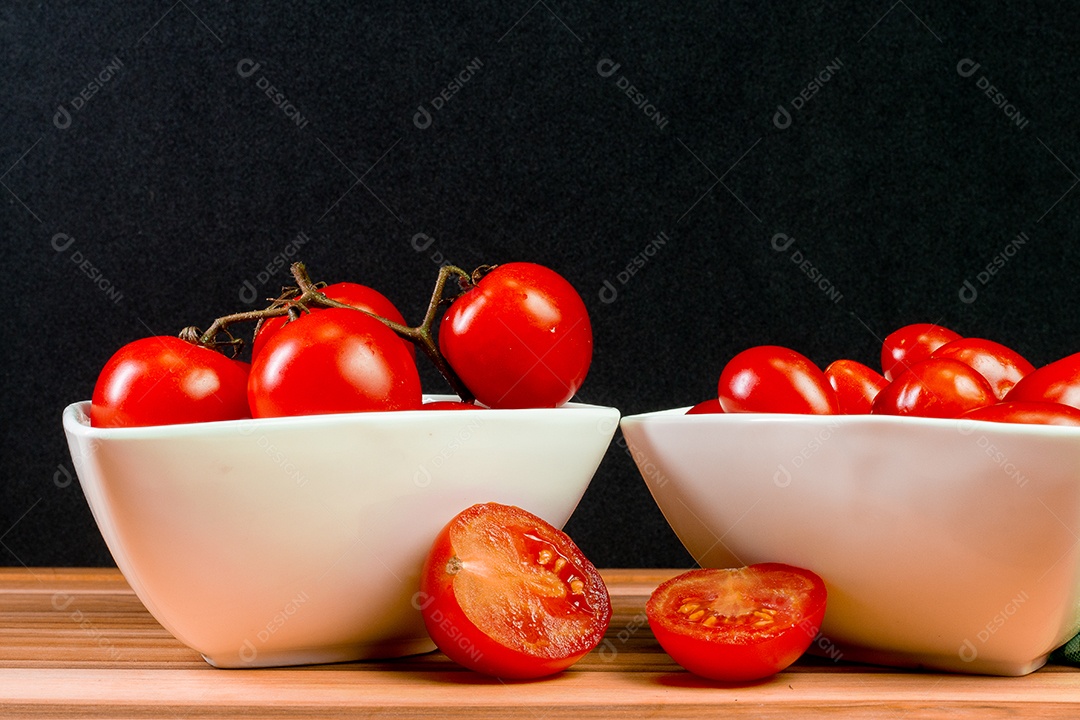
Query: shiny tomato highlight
[164,380]
[773,379]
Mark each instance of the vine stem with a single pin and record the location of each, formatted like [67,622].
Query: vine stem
[308,294]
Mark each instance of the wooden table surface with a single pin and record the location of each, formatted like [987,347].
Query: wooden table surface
[77,643]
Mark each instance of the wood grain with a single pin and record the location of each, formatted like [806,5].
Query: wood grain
[77,643]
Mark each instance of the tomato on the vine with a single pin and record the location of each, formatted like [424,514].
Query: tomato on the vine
[1058,382]
[855,384]
[738,625]
[520,337]
[769,378]
[333,361]
[164,380]
[1002,366]
[938,387]
[506,594]
[1027,411]
[354,294]
[912,344]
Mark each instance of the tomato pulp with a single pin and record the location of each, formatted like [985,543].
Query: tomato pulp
[740,624]
[506,594]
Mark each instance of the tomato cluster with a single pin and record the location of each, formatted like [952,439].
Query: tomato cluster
[517,335]
[926,370]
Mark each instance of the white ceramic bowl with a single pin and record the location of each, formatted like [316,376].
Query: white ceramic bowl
[300,540]
[946,544]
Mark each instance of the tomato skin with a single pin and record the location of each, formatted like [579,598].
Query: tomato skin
[164,380]
[912,344]
[736,650]
[1028,412]
[333,361]
[855,385]
[521,337]
[773,379]
[938,387]
[450,405]
[1058,382]
[706,407]
[1002,366]
[359,296]
[484,588]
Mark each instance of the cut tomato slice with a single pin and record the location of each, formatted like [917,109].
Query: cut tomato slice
[507,594]
[740,624]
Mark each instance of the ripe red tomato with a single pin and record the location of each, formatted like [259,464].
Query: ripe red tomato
[1001,366]
[1027,411]
[740,624]
[1057,382]
[450,405]
[506,594]
[855,384]
[166,381]
[912,344]
[333,361]
[938,387]
[359,296]
[521,337]
[706,407]
[768,378]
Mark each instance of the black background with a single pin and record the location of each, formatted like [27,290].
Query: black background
[177,181]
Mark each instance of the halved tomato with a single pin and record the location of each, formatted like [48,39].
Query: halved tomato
[507,594]
[738,625]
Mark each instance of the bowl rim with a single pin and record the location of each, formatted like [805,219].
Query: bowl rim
[76,419]
[960,425]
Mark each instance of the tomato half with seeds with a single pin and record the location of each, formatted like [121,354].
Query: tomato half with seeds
[738,625]
[507,594]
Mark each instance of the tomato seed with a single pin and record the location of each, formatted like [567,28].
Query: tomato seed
[577,586]
[545,556]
